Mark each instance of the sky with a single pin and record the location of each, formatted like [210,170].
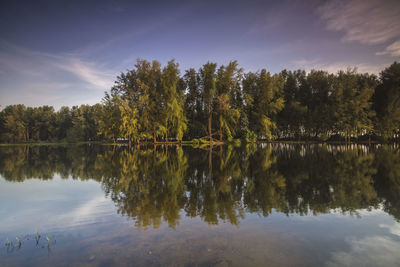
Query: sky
[65,53]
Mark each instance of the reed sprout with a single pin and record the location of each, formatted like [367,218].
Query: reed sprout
[18,242]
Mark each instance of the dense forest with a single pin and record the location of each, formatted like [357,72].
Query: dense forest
[154,103]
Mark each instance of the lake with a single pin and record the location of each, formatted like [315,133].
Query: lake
[255,205]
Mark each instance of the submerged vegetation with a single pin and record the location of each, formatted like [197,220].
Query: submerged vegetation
[151,103]
[17,245]
[221,183]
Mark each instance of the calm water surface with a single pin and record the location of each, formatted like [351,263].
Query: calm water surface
[275,205]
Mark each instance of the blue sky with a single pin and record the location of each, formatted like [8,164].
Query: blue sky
[69,52]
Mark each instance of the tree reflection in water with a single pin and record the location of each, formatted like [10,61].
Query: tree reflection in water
[156,184]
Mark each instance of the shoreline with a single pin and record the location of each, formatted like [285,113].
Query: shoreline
[192,143]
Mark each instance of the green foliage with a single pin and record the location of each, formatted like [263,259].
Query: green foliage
[251,137]
[109,119]
[387,102]
[263,101]
[228,99]
[193,104]
[195,141]
[204,141]
[129,121]
[84,126]
[208,92]
[173,99]
[153,103]
[353,108]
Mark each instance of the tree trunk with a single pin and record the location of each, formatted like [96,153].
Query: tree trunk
[154,135]
[26,135]
[210,163]
[209,127]
[220,133]
[166,133]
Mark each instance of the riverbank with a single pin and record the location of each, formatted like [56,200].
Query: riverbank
[195,142]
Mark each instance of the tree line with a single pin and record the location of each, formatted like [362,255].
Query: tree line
[155,103]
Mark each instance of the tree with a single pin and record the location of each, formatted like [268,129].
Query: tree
[173,101]
[63,122]
[291,118]
[43,122]
[16,123]
[109,120]
[193,104]
[387,102]
[263,101]
[208,92]
[84,123]
[142,88]
[129,127]
[319,103]
[228,98]
[353,110]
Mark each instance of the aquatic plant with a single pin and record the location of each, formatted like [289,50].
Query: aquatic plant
[37,238]
[19,242]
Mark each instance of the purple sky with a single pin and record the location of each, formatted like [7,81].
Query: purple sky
[69,52]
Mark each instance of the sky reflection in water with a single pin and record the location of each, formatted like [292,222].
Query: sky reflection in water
[279,204]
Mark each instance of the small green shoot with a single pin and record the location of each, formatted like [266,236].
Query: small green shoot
[19,242]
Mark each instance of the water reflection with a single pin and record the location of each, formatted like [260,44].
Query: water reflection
[156,184]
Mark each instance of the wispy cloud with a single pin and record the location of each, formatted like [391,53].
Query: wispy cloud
[368,251]
[87,71]
[37,78]
[393,229]
[368,22]
[17,59]
[393,50]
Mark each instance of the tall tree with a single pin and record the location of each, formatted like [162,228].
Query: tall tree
[16,123]
[319,103]
[353,110]
[228,104]
[208,92]
[193,104]
[387,102]
[142,88]
[84,126]
[263,97]
[109,120]
[63,122]
[129,127]
[292,117]
[43,123]
[173,101]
